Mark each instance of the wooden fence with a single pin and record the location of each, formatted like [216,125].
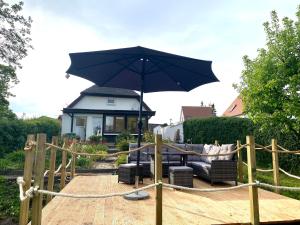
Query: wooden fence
[34,168]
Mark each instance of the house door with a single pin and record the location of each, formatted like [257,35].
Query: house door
[97,125]
[80,126]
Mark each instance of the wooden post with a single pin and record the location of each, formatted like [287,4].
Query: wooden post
[28,164]
[158,179]
[37,203]
[63,165]
[240,161]
[73,163]
[253,194]
[275,164]
[52,168]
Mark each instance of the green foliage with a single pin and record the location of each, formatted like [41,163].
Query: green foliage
[125,135]
[13,133]
[148,137]
[223,129]
[9,200]
[284,181]
[94,148]
[71,136]
[95,138]
[15,32]
[14,36]
[270,83]
[83,162]
[8,76]
[122,159]
[123,145]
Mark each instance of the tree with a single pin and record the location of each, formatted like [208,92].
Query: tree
[14,43]
[270,83]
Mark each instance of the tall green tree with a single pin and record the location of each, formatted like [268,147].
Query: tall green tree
[270,83]
[14,44]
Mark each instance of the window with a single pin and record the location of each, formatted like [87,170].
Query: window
[120,123]
[115,124]
[109,123]
[110,101]
[80,121]
[132,124]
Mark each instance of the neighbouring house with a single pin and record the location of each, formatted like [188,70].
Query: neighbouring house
[192,112]
[104,111]
[235,109]
[173,132]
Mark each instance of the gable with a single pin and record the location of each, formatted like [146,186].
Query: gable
[106,103]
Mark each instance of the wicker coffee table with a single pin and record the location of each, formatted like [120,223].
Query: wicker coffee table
[181,175]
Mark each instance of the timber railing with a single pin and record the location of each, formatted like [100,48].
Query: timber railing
[31,185]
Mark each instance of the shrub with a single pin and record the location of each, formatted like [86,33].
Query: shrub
[148,137]
[83,162]
[13,133]
[17,157]
[123,145]
[4,164]
[122,159]
[223,129]
[95,139]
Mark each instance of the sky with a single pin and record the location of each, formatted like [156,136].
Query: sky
[220,31]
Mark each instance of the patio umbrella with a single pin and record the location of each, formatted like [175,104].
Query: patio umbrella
[142,69]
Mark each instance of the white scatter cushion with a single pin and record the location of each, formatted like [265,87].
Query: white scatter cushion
[206,150]
[214,151]
[226,148]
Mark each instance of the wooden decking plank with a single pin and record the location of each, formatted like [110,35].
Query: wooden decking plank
[178,207]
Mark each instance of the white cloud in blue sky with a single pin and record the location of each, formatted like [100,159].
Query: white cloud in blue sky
[221,31]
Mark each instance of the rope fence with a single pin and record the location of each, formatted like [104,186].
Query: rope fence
[35,164]
[33,190]
[285,151]
[100,154]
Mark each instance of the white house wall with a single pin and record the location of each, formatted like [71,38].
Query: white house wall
[100,103]
[168,132]
[65,124]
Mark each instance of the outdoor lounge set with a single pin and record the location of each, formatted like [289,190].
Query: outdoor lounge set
[180,167]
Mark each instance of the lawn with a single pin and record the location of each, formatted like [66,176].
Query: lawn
[285,180]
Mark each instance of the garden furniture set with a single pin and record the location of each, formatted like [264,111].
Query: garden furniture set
[180,167]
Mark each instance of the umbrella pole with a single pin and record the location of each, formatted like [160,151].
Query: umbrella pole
[140,127]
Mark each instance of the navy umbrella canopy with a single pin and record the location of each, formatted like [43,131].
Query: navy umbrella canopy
[142,69]
[129,68]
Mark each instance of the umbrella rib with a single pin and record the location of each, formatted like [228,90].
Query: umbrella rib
[169,75]
[171,64]
[99,64]
[115,74]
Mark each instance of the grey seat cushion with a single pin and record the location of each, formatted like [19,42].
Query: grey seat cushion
[180,169]
[202,166]
[196,148]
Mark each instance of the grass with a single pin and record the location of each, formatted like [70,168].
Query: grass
[285,180]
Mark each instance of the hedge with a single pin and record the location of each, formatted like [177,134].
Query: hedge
[13,133]
[230,129]
[223,129]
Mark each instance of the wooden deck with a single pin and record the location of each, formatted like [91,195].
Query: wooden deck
[178,207]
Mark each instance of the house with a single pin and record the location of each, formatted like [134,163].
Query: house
[192,112]
[235,109]
[104,111]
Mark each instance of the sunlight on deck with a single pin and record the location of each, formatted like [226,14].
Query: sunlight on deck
[178,207]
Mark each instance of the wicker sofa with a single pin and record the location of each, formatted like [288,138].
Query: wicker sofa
[145,159]
[213,169]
